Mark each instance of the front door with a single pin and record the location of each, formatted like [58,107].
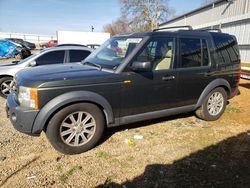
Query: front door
[153,90]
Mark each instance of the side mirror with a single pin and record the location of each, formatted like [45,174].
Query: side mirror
[141,66]
[32,64]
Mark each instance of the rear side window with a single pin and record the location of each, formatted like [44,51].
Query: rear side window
[51,58]
[226,49]
[194,52]
[190,51]
[78,55]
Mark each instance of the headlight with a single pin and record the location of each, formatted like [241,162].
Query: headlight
[28,97]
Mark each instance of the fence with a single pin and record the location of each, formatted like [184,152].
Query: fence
[37,39]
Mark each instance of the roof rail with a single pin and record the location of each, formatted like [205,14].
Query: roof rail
[183,26]
[210,29]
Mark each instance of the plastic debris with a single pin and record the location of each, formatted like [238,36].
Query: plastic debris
[31,177]
[130,142]
[138,137]
[213,166]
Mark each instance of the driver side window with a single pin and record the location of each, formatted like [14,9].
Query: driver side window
[160,52]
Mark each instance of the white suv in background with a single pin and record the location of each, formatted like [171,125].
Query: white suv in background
[55,55]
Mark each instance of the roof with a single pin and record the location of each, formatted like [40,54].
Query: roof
[193,11]
[55,48]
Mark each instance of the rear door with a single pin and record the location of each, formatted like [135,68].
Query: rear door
[195,69]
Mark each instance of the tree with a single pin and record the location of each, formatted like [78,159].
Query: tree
[139,15]
[118,26]
[145,15]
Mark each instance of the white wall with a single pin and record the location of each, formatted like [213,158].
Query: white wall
[84,38]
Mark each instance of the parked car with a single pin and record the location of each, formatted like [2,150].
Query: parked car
[27,44]
[70,44]
[130,78]
[10,49]
[65,54]
[49,44]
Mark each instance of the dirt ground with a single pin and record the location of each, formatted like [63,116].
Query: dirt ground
[177,151]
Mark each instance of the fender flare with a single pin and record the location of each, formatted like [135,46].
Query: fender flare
[215,83]
[67,98]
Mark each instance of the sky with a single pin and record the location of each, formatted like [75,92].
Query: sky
[48,16]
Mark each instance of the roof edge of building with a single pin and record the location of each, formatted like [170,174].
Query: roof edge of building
[191,12]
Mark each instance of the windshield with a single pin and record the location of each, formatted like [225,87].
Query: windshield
[113,52]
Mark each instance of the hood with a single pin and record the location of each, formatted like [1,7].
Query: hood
[60,74]
[8,64]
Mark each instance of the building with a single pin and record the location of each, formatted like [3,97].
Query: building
[231,16]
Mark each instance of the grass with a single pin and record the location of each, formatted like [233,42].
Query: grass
[103,154]
[65,176]
[233,109]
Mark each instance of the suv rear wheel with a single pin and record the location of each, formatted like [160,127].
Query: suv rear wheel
[76,128]
[213,106]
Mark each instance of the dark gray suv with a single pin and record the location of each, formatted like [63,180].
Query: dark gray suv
[130,78]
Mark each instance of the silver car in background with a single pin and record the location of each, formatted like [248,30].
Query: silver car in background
[54,55]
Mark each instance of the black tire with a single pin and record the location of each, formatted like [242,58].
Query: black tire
[203,112]
[54,128]
[3,80]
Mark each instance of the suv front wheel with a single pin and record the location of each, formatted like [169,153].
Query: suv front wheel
[76,128]
[213,106]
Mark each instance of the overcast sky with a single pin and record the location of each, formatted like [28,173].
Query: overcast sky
[48,16]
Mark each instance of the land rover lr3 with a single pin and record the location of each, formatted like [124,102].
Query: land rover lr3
[130,78]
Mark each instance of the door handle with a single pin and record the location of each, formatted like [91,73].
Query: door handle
[167,78]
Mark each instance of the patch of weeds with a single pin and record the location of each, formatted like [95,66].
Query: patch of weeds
[109,179]
[102,154]
[59,168]
[130,158]
[64,177]
[232,109]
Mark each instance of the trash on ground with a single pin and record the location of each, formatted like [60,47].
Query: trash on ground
[130,142]
[31,177]
[138,137]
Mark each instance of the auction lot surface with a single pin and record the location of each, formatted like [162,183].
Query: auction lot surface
[178,151]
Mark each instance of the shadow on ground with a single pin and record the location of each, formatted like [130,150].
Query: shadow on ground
[245,85]
[110,131]
[226,164]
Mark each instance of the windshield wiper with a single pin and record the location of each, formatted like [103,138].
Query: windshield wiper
[92,64]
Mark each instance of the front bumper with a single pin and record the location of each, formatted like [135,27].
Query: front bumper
[21,118]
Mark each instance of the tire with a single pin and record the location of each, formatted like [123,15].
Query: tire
[4,89]
[69,137]
[204,113]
